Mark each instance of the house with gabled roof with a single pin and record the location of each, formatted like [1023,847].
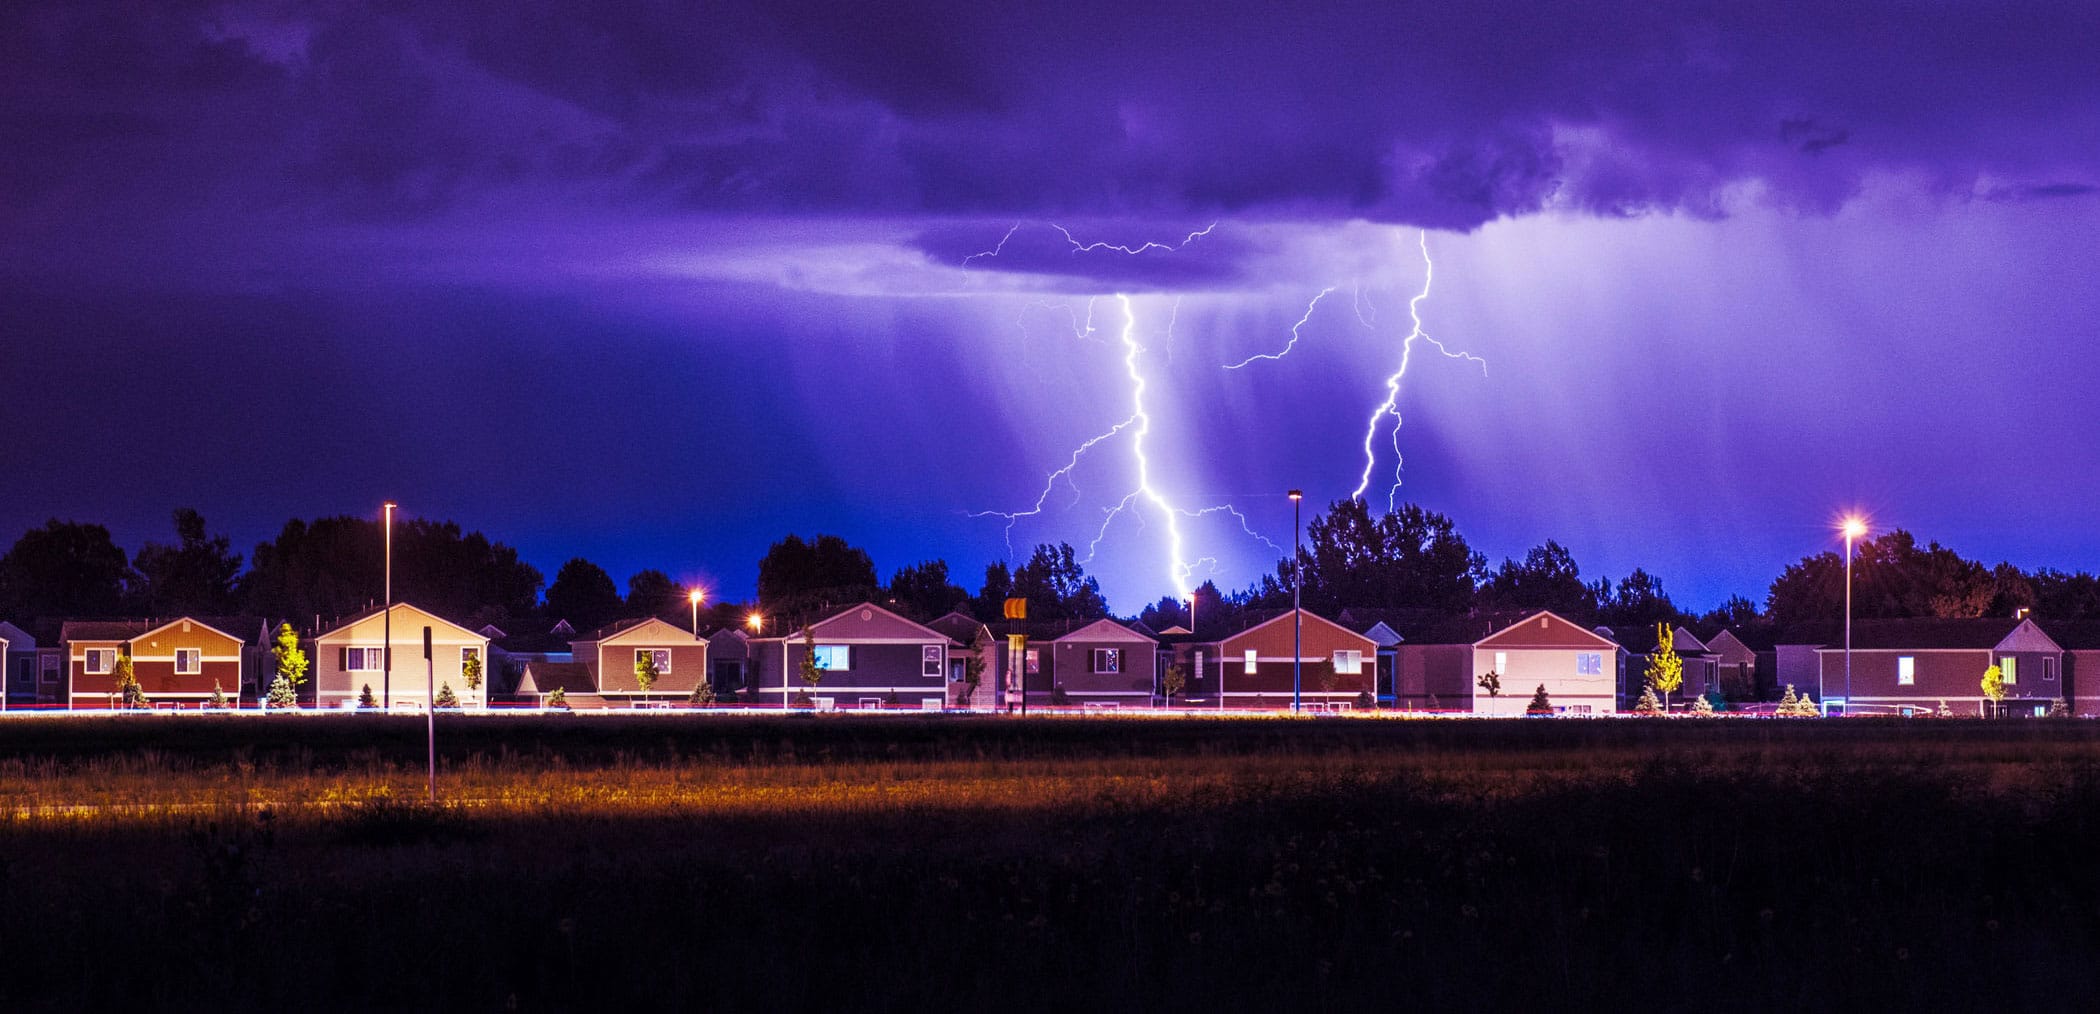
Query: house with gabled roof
[1253,667]
[1736,666]
[867,656]
[1911,665]
[178,663]
[973,636]
[1103,664]
[2080,640]
[613,652]
[541,678]
[1575,665]
[1638,644]
[353,655]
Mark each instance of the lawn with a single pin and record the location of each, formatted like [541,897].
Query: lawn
[1046,864]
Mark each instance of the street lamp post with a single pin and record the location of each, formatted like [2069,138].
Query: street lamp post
[1297,592]
[386,650]
[695,597]
[1854,528]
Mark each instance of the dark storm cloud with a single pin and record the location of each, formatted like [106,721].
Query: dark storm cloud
[192,119]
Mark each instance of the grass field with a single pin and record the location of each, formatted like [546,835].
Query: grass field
[991,864]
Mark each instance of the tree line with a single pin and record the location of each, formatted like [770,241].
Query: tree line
[1409,558]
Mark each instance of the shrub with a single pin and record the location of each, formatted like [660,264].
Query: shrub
[703,694]
[446,698]
[281,694]
[2059,709]
[556,700]
[1540,703]
[1648,704]
[1702,707]
[1366,702]
[366,700]
[1059,697]
[218,697]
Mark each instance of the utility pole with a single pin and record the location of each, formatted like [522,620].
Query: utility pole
[431,712]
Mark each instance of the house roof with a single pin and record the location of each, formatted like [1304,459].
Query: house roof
[1110,628]
[1640,639]
[619,627]
[101,630]
[545,677]
[960,628]
[1552,631]
[1928,634]
[1310,617]
[359,617]
[872,608]
[2073,635]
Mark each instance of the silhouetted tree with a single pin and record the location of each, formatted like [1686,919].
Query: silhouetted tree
[64,569]
[796,576]
[923,590]
[1057,587]
[653,593]
[1547,579]
[998,586]
[335,566]
[1892,577]
[1640,601]
[1408,557]
[195,576]
[1734,613]
[583,594]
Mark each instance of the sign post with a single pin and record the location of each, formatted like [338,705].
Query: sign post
[1017,654]
[430,711]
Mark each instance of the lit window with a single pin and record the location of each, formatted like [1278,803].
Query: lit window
[930,661]
[467,653]
[2010,669]
[100,661]
[188,661]
[1250,660]
[662,657]
[1034,662]
[1502,663]
[1348,663]
[1108,660]
[1589,663]
[1906,670]
[834,657]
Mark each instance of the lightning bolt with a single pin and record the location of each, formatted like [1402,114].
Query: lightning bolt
[1062,474]
[1295,328]
[1079,247]
[1391,405]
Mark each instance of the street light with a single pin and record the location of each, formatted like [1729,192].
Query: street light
[695,596]
[1297,590]
[756,622]
[386,652]
[1854,528]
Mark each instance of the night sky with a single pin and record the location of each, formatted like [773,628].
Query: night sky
[656,285]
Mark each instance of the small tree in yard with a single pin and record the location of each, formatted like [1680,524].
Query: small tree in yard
[1491,681]
[1665,669]
[1796,706]
[703,695]
[645,671]
[973,674]
[1647,705]
[290,664]
[446,699]
[366,700]
[1176,681]
[557,700]
[1702,707]
[281,694]
[2059,709]
[1994,687]
[218,697]
[1945,711]
[1540,703]
[129,694]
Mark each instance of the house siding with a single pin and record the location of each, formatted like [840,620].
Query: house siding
[337,686]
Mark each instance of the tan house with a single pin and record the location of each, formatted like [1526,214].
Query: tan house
[178,663]
[613,652]
[352,656]
[1577,667]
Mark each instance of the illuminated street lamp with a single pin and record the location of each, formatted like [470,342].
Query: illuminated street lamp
[1854,528]
[756,622]
[695,597]
[386,652]
[1297,590]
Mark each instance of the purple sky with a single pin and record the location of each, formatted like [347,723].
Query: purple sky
[657,288]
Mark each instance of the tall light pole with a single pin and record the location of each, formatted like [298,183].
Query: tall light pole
[1854,528]
[1297,592]
[696,596]
[386,651]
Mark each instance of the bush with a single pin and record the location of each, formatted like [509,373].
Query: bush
[1366,702]
[281,694]
[703,695]
[1540,703]
[1648,704]
[366,701]
[1702,707]
[446,699]
[556,700]
[1059,697]
[218,697]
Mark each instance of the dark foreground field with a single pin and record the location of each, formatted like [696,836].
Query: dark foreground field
[984,864]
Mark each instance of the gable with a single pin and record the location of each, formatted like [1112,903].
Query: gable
[653,631]
[1730,647]
[1546,630]
[1327,629]
[408,623]
[1106,631]
[185,633]
[2029,638]
[1383,636]
[869,622]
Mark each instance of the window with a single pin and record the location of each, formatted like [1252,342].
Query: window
[467,653]
[362,659]
[1348,663]
[1906,670]
[1108,660]
[188,661]
[1251,660]
[2009,667]
[930,660]
[663,659]
[834,657]
[1034,662]
[1589,663]
[1502,663]
[100,661]
[50,668]
[2048,669]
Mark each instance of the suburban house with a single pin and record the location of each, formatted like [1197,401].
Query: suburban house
[177,663]
[17,685]
[866,657]
[1103,664]
[353,656]
[1575,666]
[1253,668]
[2080,640]
[1639,643]
[510,653]
[975,635]
[1383,627]
[541,678]
[614,652]
[1917,664]
[1735,665]
[728,657]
